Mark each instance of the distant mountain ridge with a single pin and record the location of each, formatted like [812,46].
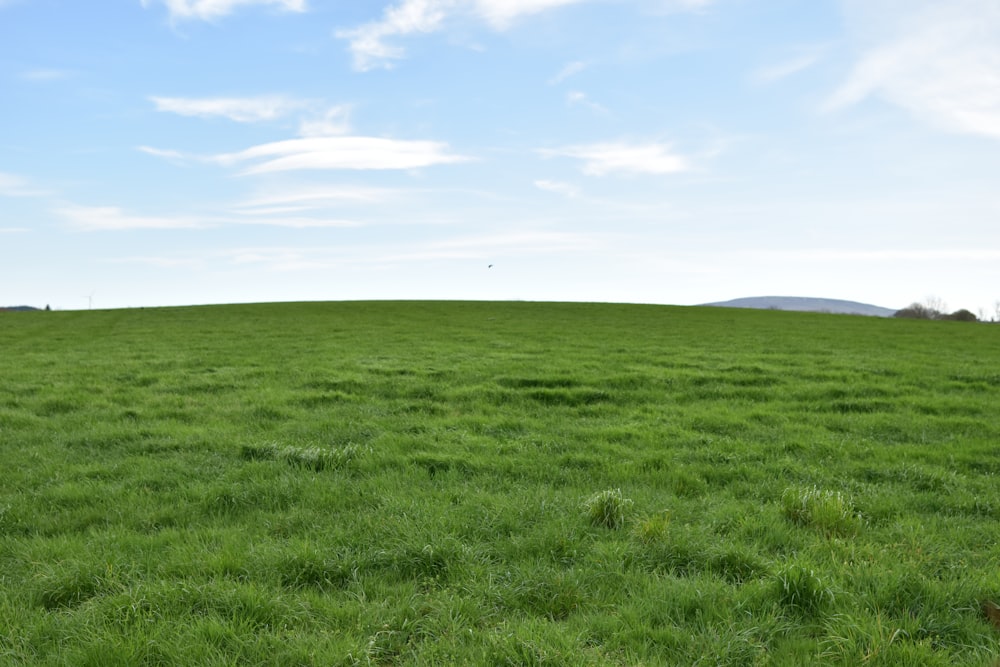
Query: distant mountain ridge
[18,308]
[806,304]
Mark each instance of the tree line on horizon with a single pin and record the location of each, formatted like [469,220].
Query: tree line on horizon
[934,309]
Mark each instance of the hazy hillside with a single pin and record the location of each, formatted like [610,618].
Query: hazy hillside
[806,304]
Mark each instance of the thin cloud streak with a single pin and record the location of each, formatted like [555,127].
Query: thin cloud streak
[239,109]
[577,98]
[558,187]
[12,185]
[368,42]
[571,69]
[784,69]
[112,218]
[825,255]
[207,10]
[43,75]
[939,61]
[602,159]
[347,153]
[319,197]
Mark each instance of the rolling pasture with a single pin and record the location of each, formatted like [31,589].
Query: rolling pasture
[426,483]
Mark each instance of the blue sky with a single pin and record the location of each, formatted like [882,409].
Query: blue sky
[169,152]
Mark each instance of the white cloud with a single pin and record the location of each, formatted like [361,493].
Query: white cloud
[686,5]
[558,187]
[501,13]
[269,218]
[239,109]
[784,69]
[938,60]
[876,256]
[12,185]
[570,69]
[576,98]
[334,121]
[111,218]
[207,10]
[177,157]
[361,153]
[368,42]
[159,262]
[41,75]
[317,197]
[604,158]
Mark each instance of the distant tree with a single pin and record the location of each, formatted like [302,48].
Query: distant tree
[47,307]
[936,303]
[918,311]
[962,315]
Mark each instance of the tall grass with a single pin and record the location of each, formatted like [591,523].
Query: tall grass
[496,483]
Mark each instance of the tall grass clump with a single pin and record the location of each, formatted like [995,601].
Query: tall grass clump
[827,511]
[311,458]
[607,509]
[800,589]
[653,529]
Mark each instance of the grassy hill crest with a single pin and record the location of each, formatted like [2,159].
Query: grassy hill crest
[485,483]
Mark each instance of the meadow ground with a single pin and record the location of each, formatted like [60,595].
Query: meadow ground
[498,484]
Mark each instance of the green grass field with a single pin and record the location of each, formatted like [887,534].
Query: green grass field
[496,484]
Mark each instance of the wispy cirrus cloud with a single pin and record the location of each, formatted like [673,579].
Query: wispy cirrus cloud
[336,120]
[568,70]
[558,187]
[314,119]
[239,109]
[785,68]
[938,60]
[348,152]
[811,255]
[316,197]
[40,75]
[112,218]
[601,159]
[323,141]
[367,42]
[370,43]
[577,98]
[207,10]
[12,185]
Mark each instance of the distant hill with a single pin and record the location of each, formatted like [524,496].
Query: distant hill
[806,304]
[17,308]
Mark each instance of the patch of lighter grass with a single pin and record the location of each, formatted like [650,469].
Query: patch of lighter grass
[830,512]
[607,509]
[312,457]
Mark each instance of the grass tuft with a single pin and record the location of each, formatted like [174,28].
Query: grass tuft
[801,589]
[654,528]
[607,509]
[827,511]
[311,458]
